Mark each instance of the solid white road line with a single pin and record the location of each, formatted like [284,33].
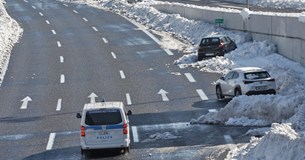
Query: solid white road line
[202,95]
[228,139]
[66,5]
[95,29]
[122,74]
[53,31]
[85,19]
[40,14]
[135,134]
[113,55]
[62,59]
[75,11]
[128,99]
[51,141]
[189,77]
[62,78]
[47,22]
[105,40]
[58,44]
[213,110]
[58,108]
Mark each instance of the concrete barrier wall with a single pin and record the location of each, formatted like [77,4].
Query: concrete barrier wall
[286,32]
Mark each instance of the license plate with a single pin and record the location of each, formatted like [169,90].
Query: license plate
[260,88]
[209,54]
[103,133]
[104,137]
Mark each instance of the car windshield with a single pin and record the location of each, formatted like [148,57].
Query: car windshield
[210,41]
[257,75]
[103,117]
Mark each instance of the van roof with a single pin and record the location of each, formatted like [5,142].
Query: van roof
[100,105]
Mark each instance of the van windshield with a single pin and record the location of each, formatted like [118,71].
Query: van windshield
[103,117]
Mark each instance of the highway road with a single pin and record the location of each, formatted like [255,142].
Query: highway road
[71,54]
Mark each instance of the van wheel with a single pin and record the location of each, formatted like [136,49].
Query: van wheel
[127,149]
[237,92]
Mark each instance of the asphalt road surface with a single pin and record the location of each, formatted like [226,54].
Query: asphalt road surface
[68,52]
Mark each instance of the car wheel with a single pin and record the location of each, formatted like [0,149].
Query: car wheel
[200,57]
[237,92]
[219,93]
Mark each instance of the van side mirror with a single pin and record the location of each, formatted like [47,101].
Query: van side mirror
[129,112]
[78,115]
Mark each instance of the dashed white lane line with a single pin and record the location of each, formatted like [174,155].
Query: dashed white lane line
[122,74]
[128,99]
[85,19]
[62,78]
[202,95]
[95,29]
[135,134]
[105,40]
[189,77]
[228,139]
[47,22]
[40,14]
[75,11]
[113,55]
[25,1]
[53,31]
[51,141]
[66,5]
[61,59]
[33,7]
[58,44]
[213,110]
[58,108]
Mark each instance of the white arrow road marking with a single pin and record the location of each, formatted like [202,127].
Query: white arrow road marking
[135,134]
[163,94]
[213,110]
[53,31]
[51,141]
[85,19]
[202,95]
[47,22]
[62,59]
[92,97]
[75,11]
[40,14]
[58,108]
[62,78]
[189,77]
[128,99]
[122,74]
[25,102]
[105,40]
[113,55]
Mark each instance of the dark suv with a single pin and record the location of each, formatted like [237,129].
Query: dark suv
[216,45]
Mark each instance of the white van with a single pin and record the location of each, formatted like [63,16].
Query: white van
[104,125]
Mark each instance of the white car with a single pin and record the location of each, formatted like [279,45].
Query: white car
[245,81]
[104,125]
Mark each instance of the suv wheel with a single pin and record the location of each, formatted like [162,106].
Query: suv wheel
[237,92]
[201,56]
[219,93]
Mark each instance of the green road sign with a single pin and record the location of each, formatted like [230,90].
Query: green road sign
[219,21]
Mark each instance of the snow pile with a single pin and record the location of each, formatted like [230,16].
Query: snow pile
[160,136]
[10,32]
[288,144]
[245,13]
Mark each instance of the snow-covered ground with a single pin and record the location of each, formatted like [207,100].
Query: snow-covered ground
[10,32]
[285,111]
[278,4]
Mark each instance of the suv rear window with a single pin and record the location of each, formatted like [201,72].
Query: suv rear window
[103,117]
[210,41]
[257,75]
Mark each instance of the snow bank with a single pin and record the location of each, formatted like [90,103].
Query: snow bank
[302,17]
[10,32]
[281,143]
[245,13]
[160,136]
[278,4]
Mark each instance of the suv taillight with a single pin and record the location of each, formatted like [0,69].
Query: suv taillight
[221,45]
[271,80]
[82,131]
[125,128]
